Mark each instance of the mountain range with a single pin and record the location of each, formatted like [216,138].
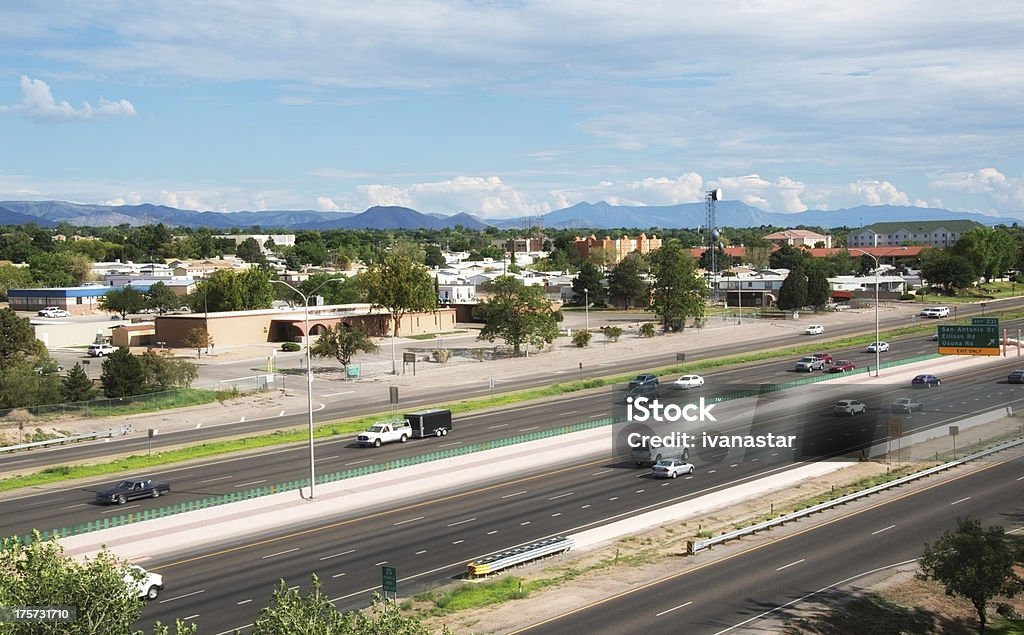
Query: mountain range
[594,216]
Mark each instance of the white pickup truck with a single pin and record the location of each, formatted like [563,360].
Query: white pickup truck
[147,584]
[385,433]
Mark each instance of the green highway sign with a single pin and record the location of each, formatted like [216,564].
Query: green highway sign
[984,321]
[976,339]
[389,576]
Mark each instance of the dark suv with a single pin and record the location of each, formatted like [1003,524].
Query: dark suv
[643,380]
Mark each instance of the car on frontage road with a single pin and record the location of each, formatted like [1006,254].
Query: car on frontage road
[687,382]
[815,329]
[130,489]
[878,347]
[671,468]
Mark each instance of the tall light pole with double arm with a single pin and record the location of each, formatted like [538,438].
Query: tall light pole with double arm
[878,265]
[586,307]
[309,376]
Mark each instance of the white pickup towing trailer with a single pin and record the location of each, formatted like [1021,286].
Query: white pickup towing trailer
[427,423]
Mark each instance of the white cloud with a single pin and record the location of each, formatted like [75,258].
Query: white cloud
[882,193]
[784,194]
[37,102]
[182,200]
[989,181]
[327,204]
[133,198]
[487,197]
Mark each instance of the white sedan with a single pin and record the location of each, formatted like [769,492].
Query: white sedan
[671,468]
[687,382]
[815,329]
[878,347]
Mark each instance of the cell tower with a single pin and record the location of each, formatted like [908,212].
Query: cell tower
[710,197]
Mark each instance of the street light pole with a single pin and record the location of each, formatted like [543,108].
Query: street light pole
[586,308]
[878,265]
[309,379]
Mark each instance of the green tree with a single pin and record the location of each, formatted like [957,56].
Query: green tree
[40,573]
[160,298]
[758,253]
[163,372]
[342,342]
[18,338]
[310,249]
[344,291]
[626,284]
[434,257]
[50,269]
[677,291]
[973,563]
[249,251]
[947,270]
[787,257]
[723,260]
[589,278]
[818,289]
[22,384]
[122,375]
[123,301]
[77,386]
[793,292]
[399,285]
[229,290]
[12,277]
[198,338]
[517,314]
[990,251]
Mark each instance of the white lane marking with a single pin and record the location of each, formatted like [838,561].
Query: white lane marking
[279,553]
[600,473]
[672,609]
[599,415]
[327,458]
[459,522]
[874,533]
[242,420]
[380,563]
[515,494]
[335,394]
[337,575]
[198,425]
[359,461]
[966,498]
[421,552]
[244,602]
[252,483]
[1021,478]
[561,496]
[500,425]
[524,523]
[281,414]
[585,506]
[786,566]
[178,597]
[335,555]
[528,429]
[640,491]
[571,412]
[444,445]
[614,498]
[72,506]
[119,508]
[411,520]
[490,533]
[219,478]
[191,617]
[455,542]
[556,514]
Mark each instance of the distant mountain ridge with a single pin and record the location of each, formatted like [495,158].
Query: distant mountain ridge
[582,216]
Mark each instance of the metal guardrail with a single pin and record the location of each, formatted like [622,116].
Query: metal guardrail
[518,555]
[110,432]
[701,545]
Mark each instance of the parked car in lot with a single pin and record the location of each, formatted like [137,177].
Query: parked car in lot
[687,382]
[825,357]
[879,347]
[815,329]
[644,380]
[841,366]
[54,312]
[1016,377]
[810,363]
[936,312]
[671,468]
[906,404]
[925,380]
[131,489]
[849,407]
[99,350]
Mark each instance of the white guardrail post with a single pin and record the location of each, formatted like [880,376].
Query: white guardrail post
[518,555]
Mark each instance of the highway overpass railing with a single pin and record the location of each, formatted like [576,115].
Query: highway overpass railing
[447,453]
[695,546]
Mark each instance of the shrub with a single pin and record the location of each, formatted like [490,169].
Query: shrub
[647,329]
[612,333]
[580,339]
[290,347]
[442,355]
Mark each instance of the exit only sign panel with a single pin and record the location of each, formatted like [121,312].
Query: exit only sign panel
[975,339]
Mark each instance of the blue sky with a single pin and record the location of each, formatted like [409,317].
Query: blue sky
[505,108]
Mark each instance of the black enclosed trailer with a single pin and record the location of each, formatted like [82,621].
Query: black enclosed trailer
[430,423]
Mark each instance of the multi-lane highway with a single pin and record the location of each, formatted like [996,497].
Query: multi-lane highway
[432,540]
[65,507]
[740,592]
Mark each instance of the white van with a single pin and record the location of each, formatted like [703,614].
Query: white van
[936,312]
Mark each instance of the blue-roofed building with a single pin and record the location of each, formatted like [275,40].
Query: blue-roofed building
[83,300]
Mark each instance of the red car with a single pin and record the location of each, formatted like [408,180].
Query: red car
[842,366]
[825,357]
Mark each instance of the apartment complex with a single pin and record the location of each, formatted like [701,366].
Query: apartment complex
[929,233]
[610,251]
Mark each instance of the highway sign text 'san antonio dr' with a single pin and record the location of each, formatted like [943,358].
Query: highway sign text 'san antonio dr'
[974,339]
